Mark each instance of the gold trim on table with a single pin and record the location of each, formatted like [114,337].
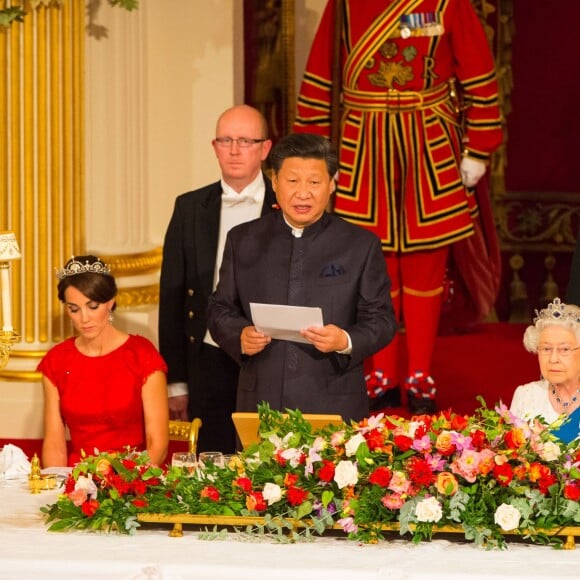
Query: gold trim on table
[177,520]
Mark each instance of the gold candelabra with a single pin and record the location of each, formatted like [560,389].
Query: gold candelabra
[8,251]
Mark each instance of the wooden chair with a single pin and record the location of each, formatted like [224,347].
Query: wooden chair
[185,431]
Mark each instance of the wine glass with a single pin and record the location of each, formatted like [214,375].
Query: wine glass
[184,460]
[215,457]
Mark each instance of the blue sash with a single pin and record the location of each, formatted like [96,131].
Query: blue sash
[569,430]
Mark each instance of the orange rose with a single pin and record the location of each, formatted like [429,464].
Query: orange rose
[514,439]
[443,444]
[446,483]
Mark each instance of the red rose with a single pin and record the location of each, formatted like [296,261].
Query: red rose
[326,472]
[210,492]
[381,476]
[296,496]
[244,483]
[255,502]
[90,507]
[479,439]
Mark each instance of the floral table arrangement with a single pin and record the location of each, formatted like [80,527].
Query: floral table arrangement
[486,475]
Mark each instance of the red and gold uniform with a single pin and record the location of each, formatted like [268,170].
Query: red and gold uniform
[406,67]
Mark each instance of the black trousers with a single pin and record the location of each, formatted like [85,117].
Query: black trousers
[212,398]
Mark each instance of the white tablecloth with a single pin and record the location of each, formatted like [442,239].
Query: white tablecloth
[28,550]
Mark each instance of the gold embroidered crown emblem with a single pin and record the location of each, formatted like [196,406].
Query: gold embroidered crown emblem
[74,267]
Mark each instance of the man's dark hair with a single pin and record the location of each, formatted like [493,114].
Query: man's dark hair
[305,146]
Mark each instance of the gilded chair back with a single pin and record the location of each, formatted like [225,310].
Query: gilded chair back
[185,431]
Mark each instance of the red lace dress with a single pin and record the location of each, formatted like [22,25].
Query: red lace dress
[100,397]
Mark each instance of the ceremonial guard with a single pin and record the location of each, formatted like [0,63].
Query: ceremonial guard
[419,121]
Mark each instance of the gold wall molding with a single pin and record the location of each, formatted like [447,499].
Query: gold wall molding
[134,264]
[136,296]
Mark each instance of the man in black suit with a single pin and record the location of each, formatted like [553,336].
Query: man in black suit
[303,256]
[202,378]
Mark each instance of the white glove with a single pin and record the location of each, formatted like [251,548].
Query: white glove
[472,170]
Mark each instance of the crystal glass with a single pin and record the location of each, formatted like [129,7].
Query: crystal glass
[184,459]
[215,457]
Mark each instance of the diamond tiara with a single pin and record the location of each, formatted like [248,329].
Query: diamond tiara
[558,311]
[74,267]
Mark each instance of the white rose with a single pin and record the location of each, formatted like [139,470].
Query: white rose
[428,510]
[272,493]
[352,444]
[550,451]
[507,517]
[346,473]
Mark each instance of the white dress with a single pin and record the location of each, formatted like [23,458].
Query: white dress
[533,399]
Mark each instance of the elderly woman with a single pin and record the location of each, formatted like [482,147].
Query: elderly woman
[555,337]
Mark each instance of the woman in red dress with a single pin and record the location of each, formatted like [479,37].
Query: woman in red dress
[106,386]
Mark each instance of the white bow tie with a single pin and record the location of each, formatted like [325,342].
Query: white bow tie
[232,198]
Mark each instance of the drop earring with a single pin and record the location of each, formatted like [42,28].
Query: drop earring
[111,317]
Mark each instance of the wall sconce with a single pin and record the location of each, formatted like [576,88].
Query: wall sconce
[8,251]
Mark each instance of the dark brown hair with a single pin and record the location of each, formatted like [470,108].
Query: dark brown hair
[97,287]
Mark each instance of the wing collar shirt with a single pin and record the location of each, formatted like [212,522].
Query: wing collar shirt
[236,208]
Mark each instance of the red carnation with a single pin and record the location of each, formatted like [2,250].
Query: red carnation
[139,487]
[374,439]
[403,442]
[572,492]
[381,476]
[326,472]
[290,479]
[90,507]
[140,503]
[296,496]
[128,463]
[420,471]
[503,474]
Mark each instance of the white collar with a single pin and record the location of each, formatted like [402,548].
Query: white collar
[252,193]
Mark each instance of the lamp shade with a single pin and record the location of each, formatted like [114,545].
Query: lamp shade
[9,249]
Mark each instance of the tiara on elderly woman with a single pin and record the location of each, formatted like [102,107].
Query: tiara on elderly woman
[74,267]
[558,311]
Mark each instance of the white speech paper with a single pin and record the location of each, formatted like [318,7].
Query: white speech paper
[285,322]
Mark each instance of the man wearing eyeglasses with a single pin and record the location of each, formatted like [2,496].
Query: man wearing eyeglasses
[202,378]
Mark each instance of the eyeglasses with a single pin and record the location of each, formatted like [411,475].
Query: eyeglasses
[240,141]
[562,351]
